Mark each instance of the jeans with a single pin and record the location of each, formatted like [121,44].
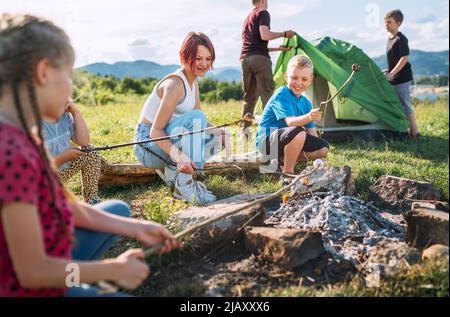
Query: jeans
[90,245]
[198,147]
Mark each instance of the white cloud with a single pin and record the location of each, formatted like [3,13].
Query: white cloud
[138,42]
[119,30]
[289,8]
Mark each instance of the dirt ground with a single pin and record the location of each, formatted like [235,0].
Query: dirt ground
[229,270]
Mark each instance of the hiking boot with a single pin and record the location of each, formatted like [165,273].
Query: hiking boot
[168,176]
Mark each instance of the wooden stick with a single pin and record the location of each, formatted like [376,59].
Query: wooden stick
[247,117]
[355,68]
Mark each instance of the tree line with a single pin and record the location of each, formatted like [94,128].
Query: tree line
[90,89]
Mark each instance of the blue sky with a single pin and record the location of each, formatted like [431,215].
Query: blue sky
[119,30]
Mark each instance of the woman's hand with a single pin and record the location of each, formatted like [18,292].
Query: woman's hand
[186,166]
[315,115]
[131,270]
[151,233]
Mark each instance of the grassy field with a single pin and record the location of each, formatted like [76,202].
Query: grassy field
[426,159]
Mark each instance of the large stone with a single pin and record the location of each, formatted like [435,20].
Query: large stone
[435,252]
[288,248]
[398,194]
[335,179]
[387,257]
[425,227]
[224,229]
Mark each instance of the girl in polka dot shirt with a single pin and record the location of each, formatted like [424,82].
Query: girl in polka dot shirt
[44,236]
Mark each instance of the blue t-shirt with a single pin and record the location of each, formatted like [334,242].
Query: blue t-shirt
[282,105]
[57,135]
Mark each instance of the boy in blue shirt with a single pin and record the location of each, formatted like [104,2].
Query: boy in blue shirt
[287,130]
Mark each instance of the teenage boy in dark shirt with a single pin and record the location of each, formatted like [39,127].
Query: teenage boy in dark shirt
[399,69]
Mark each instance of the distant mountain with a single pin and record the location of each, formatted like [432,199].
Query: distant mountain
[226,74]
[423,63]
[141,69]
[137,69]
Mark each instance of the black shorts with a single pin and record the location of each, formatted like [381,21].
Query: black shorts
[278,140]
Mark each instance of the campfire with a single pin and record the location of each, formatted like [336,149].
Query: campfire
[319,235]
[350,227]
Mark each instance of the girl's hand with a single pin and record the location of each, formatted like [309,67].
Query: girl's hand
[315,115]
[72,154]
[131,270]
[71,107]
[151,233]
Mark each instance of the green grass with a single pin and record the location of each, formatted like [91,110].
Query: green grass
[426,279]
[427,159]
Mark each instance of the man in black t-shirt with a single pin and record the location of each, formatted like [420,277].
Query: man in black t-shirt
[255,60]
[399,71]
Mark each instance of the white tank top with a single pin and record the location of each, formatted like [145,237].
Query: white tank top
[153,102]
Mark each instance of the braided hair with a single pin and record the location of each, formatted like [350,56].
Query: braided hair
[24,41]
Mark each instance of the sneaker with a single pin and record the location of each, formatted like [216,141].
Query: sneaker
[168,176]
[205,195]
[193,192]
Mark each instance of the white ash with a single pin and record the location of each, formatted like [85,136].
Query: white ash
[350,227]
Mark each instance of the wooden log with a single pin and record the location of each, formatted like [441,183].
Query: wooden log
[135,173]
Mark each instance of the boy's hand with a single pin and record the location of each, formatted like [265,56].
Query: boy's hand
[290,34]
[315,115]
[389,76]
[285,48]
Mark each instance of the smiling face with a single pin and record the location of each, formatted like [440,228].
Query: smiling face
[203,61]
[299,79]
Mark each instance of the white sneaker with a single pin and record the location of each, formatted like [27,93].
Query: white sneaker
[185,192]
[169,176]
[205,195]
[193,192]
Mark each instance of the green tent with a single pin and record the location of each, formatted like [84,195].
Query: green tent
[368,103]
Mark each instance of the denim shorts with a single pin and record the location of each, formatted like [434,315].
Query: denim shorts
[273,146]
[403,93]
